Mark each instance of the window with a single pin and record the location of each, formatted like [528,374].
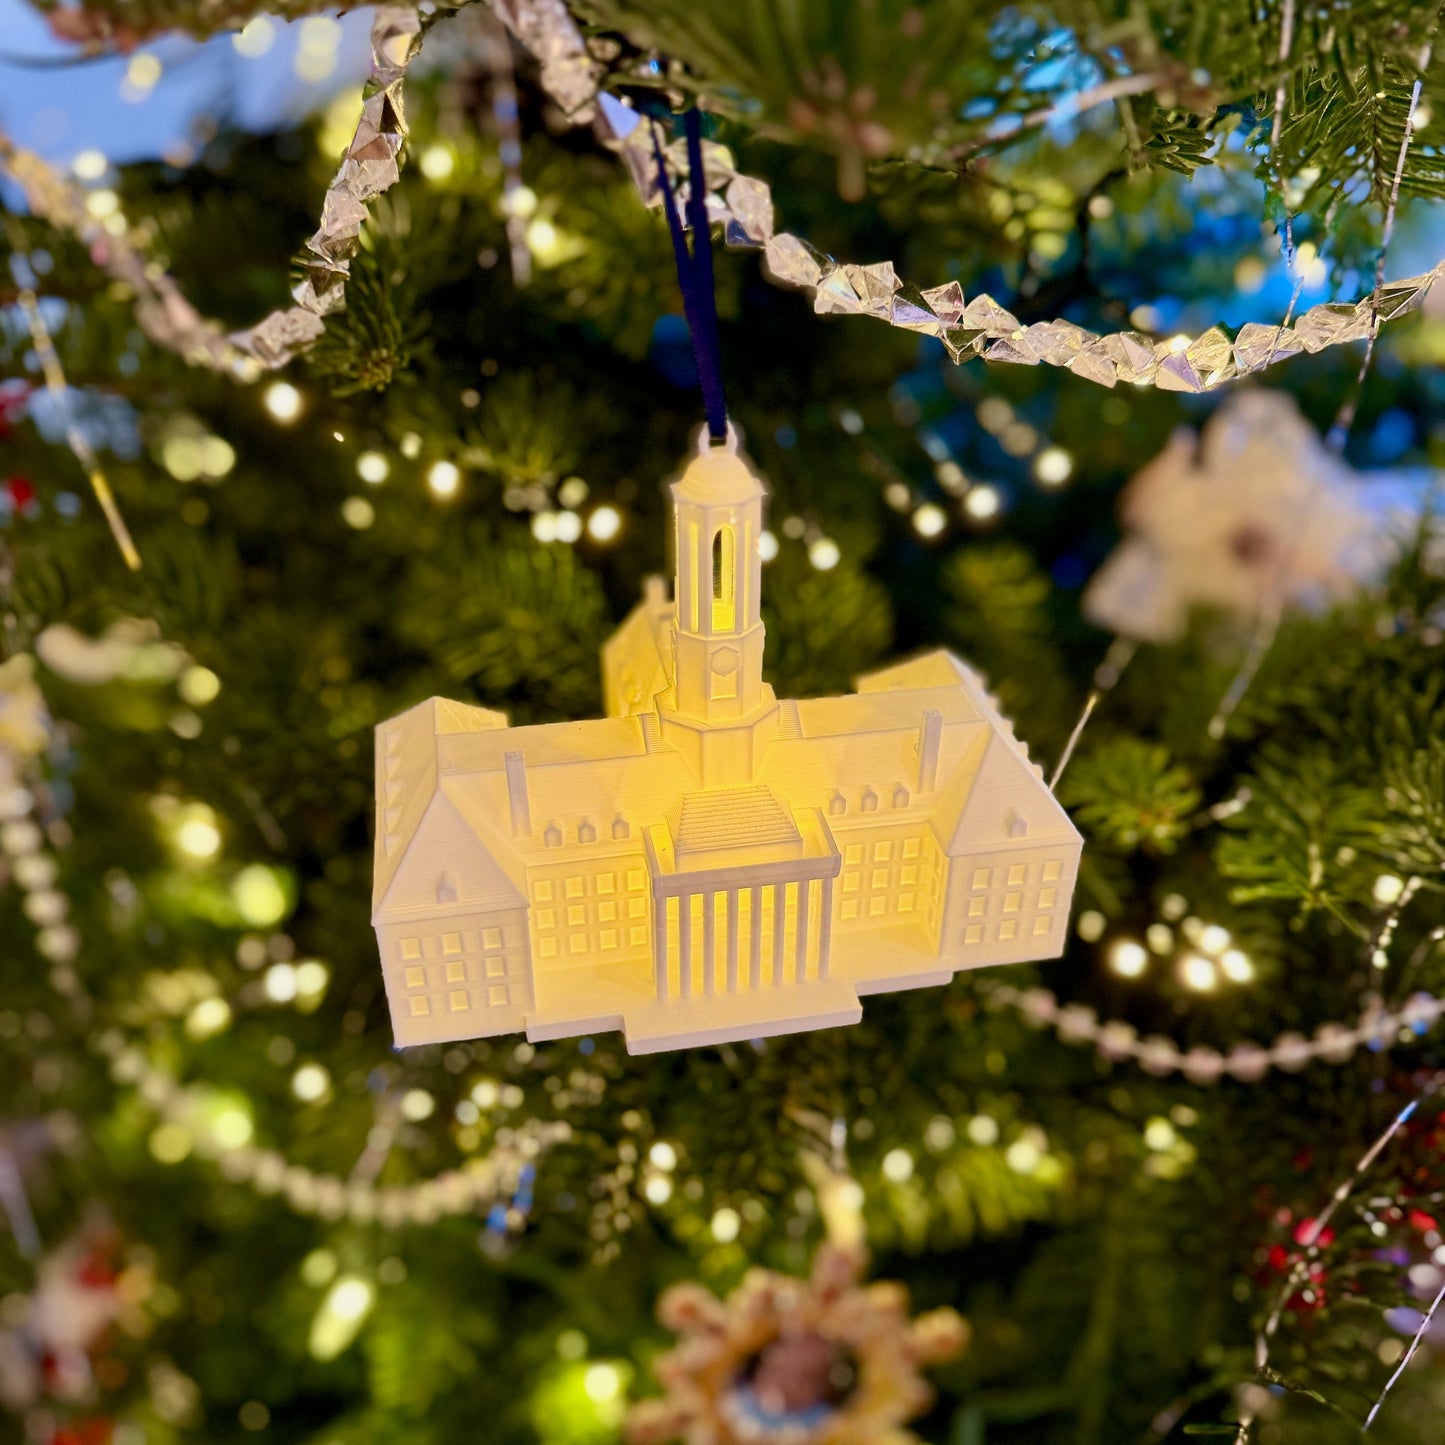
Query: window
[546,918]
[456,970]
[977,907]
[576,887]
[415,976]
[850,883]
[973,933]
[457,1000]
[577,914]
[1008,929]
[905,903]
[496,967]
[499,995]
[876,905]
[1046,897]
[908,874]
[609,938]
[1042,926]
[607,912]
[636,880]
[544,891]
[577,943]
[639,934]
[982,877]
[411,948]
[606,883]
[420,1006]
[1016,874]
[637,908]
[1051,872]
[491,938]
[853,853]
[850,908]
[548,948]
[451,943]
[912,847]
[724,570]
[882,851]
[880,878]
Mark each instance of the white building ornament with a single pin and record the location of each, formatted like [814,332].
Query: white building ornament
[748,883]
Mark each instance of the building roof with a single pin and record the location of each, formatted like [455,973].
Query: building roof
[988,793]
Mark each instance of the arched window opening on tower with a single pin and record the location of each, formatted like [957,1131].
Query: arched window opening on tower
[724,574]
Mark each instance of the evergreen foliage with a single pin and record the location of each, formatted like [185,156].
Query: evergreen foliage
[1114,1238]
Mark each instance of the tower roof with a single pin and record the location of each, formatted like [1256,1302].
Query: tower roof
[718,476]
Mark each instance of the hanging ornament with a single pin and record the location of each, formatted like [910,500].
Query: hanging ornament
[46,1348]
[708,862]
[1254,514]
[785,1361]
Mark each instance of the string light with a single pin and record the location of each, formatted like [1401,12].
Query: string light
[1387,889]
[897,1166]
[443,479]
[437,162]
[1053,466]
[310,1082]
[357,512]
[604,524]
[929,520]
[982,502]
[373,468]
[569,526]
[1236,965]
[255,38]
[824,554]
[283,401]
[1199,973]
[1128,959]
[767,546]
[726,1225]
[90,165]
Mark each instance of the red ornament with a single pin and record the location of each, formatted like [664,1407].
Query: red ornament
[21,491]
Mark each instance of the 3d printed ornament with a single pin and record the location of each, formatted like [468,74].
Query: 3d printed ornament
[708,863]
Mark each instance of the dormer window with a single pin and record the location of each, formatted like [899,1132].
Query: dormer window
[446,889]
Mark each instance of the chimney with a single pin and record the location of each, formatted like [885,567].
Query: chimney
[930,730]
[517,795]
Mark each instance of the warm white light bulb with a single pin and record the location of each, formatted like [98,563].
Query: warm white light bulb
[443,479]
[1128,959]
[283,401]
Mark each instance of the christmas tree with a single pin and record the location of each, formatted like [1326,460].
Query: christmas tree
[1096,346]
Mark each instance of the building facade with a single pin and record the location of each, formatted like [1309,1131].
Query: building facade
[708,862]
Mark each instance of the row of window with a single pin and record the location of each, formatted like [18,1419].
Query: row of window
[459,970]
[983,904]
[1015,874]
[463,1000]
[592,941]
[1008,929]
[589,885]
[466,940]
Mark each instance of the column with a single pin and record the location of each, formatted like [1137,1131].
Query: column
[732,940]
[709,940]
[659,944]
[780,922]
[825,928]
[755,940]
[684,944]
[800,941]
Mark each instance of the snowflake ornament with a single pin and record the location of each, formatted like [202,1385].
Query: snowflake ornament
[786,1361]
[1252,515]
